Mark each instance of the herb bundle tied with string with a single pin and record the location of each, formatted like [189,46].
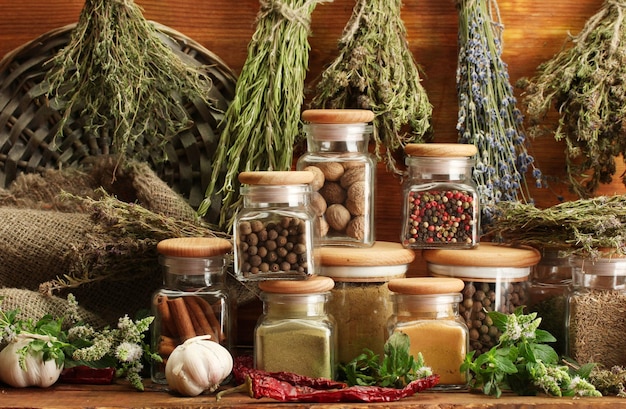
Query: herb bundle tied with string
[262,123]
[488,116]
[585,84]
[122,81]
[375,70]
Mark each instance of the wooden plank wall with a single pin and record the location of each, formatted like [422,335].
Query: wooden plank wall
[534,31]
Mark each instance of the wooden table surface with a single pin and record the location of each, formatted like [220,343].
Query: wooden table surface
[64,396]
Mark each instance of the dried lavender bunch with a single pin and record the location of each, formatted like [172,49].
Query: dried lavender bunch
[586,85]
[263,120]
[488,116]
[376,70]
[122,80]
[582,227]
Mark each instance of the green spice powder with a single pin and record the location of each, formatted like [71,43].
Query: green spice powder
[295,346]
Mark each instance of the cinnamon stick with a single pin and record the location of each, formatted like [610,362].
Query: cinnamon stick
[167,326]
[200,319]
[210,315]
[181,318]
[166,346]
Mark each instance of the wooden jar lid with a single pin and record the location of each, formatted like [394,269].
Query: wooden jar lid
[426,285]
[276,178]
[443,150]
[485,255]
[337,116]
[315,284]
[194,247]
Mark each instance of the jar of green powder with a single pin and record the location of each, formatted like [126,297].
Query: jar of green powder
[295,333]
[361,301]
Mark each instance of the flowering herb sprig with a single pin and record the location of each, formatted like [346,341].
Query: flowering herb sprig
[488,116]
[122,348]
[522,362]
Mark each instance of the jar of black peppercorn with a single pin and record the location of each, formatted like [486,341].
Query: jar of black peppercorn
[276,230]
[441,207]
[361,302]
[194,299]
[296,333]
[496,278]
[345,174]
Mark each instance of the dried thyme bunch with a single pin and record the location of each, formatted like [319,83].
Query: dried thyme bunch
[261,124]
[488,116]
[122,80]
[583,227]
[586,84]
[375,70]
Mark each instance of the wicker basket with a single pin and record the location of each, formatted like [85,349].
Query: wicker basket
[27,122]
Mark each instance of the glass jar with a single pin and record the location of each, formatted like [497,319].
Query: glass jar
[194,299]
[361,302]
[496,279]
[596,321]
[427,310]
[441,206]
[547,296]
[276,231]
[337,152]
[295,333]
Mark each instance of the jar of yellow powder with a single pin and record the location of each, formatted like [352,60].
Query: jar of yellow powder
[427,310]
[295,333]
[361,302]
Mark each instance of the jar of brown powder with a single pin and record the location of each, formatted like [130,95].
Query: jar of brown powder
[361,303]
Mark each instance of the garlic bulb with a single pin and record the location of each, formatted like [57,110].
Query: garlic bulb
[197,365]
[37,373]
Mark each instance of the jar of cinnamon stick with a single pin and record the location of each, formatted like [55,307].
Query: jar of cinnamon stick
[194,299]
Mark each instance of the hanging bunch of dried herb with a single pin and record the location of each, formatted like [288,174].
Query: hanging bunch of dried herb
[375,70]
[583,227]
[261,124]
[488,116]
[586,85]
[122,80]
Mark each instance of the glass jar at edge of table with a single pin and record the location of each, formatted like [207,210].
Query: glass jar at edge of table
[345,174]
[276,230]
[427,310]
[194,299]
[496,278]
[441,204]
[361,303]
[295,333]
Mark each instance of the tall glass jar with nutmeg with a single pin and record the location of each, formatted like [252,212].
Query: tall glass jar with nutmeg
[441,208]
[345,174]
[276,231]
[194,299]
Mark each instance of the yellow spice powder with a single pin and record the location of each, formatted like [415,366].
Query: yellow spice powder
[443,345]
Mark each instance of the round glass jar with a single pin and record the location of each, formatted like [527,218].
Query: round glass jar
[295,333]
[596,321]
[194,299]
[276,230]
[345,174]
[361,303]
[496,279]
[441,206]
[550,280]
[427,310]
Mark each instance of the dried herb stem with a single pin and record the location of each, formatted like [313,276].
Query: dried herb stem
[584,83]
[122,80]
[261,124]
[375,69]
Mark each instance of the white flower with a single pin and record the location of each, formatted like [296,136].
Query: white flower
[128,352]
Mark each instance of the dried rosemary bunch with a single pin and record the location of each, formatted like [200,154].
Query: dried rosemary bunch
[122,80]
[585,82]
[261,124]
[582,227]
[488,116]
[375,70]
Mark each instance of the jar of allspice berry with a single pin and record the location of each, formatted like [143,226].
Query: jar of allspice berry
[276,230]
[496,278]
[361,302]
[441,205]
